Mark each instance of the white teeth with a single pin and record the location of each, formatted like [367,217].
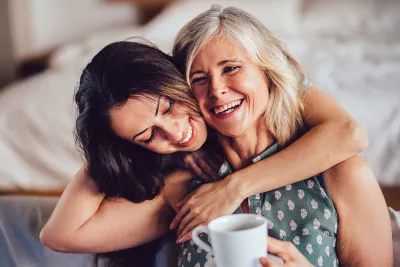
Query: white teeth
[188,135]
[225,108]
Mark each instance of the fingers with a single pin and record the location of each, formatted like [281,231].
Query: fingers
[185,199]
[186,235]
[285,250]
[190,162]
[207,168]
[265,262]
[182,212]
[185,238]
[185,221]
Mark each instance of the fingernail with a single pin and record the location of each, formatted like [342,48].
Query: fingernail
[263,260]
[178,204]
[179,241]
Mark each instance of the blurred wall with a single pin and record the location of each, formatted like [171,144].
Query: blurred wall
[39,25]
[7,62]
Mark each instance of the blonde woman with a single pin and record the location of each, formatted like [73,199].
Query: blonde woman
[251,91]
[133,106]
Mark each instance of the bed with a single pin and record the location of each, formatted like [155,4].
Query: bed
[353,53]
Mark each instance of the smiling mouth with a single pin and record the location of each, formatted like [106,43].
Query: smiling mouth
[188,135]
[227,108]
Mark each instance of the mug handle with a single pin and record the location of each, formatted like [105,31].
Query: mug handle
[198,241]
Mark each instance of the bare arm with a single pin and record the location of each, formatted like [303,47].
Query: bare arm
[364,233]
[83,221]
[334,136]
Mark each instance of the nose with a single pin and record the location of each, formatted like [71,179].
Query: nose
[217,87]
[173,128]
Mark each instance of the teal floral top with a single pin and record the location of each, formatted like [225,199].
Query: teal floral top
[302,213]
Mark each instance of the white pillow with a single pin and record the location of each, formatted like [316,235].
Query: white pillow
[355,19]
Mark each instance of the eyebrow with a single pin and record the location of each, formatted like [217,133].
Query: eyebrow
[157,108]
[222,62]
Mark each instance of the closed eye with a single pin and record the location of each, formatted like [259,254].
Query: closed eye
[170,107]
[230,69]
[199,80]
[148,141]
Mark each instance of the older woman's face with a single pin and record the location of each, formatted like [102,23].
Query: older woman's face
[231,88]
[158,124]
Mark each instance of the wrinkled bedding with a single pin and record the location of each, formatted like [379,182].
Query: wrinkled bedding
[352,53]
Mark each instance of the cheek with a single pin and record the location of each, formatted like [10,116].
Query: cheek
[201,98]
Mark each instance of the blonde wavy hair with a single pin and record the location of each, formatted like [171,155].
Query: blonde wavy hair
[288,79]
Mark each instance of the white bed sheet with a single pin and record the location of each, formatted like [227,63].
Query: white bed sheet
[37,115]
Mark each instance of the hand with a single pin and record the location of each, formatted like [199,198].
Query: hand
[288,252]
[203,165]
[208,202]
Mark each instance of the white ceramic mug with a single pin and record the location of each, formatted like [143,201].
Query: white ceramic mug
[237,240]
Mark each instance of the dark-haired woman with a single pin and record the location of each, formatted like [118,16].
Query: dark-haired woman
[136,117]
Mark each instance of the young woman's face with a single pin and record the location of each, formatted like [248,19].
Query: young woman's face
[158,124]
[232,90]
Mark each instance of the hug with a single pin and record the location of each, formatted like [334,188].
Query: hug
[230,123]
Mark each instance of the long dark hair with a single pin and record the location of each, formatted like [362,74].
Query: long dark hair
[120,71]
[119,168]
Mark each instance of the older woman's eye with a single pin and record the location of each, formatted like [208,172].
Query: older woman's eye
[199,80]
[230,69]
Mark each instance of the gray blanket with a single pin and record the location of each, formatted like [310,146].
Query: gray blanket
[22,218]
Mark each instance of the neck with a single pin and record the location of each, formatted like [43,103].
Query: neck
[240,150]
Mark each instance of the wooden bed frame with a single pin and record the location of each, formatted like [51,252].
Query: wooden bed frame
[391,194]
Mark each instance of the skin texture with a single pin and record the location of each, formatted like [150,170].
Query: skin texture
[331,128]
[357,196]
[157,124]
[287,252]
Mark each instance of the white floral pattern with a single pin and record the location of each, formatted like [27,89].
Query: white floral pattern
[309,248]
[293,225]
[305,231]
[323,193]
[316,224]
[319,239]
[300,193]
[270,224]
[258,211]
[290,205]
[281,215]
[282,234]
[301,213]
[320,261]
[327,214]
[257,159]
[314,204]
[327,251]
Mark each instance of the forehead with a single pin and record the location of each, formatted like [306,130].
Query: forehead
[219,48]
[134,115]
